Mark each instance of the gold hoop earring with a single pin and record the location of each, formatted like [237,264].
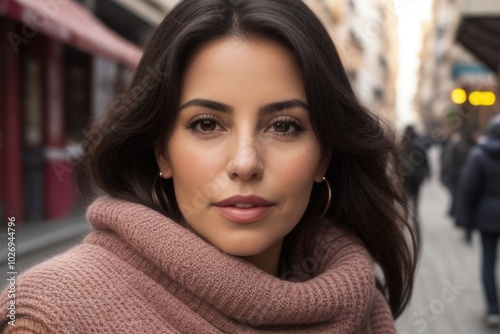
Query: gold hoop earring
[329,198]
[154,195]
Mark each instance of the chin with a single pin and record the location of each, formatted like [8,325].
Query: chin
[242,249]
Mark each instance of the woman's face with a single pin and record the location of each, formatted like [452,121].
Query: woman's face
[242,154]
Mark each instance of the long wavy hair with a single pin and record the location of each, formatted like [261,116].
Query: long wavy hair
[367,200]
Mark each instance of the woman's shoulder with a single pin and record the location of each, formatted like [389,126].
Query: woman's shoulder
[62,286]
[55,275]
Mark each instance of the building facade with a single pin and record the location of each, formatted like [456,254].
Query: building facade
[445,66]
[61,63]
[365,35]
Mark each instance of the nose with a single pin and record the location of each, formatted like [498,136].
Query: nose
[245,159]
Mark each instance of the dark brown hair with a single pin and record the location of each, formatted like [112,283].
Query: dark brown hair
[367,198]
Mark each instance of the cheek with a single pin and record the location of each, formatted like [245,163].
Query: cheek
[294,174]
[194,171]
[297,163]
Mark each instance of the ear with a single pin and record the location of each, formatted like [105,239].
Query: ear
[323,166]
[163,161]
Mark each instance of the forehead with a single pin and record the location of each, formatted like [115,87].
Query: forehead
[243,66]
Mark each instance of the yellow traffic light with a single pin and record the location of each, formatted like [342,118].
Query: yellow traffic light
[458,96]
[482,98]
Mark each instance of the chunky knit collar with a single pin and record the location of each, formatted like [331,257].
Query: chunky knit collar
[341,291]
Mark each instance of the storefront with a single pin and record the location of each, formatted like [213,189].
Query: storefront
[59,66]
[479,32]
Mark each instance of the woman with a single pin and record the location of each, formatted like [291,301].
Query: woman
[246,191]
[479,196]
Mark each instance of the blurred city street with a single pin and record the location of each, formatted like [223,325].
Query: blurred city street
[448,297]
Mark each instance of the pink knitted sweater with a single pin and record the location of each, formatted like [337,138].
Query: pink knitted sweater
[139,272]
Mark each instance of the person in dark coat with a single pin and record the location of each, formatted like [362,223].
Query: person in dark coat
[453,160]
[416,165]
[479,199]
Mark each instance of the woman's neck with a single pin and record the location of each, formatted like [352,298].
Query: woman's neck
[268,260]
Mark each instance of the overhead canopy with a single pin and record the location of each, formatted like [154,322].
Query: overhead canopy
[146,12]
[479,30]
[72,24]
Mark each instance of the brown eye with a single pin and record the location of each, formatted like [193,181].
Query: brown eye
[208,125]
[281,127]
[205,125]
[285,127]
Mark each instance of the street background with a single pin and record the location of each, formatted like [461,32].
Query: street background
[445,259]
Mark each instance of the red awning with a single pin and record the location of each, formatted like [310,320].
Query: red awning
[72,24]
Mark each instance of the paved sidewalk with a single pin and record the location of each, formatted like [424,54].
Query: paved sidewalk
[37,236]
[38,241]
[448,297]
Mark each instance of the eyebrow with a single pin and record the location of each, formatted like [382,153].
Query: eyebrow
[264,110]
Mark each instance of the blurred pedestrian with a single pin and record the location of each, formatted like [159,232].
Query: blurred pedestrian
[444,172]
[414,158]
[453,160]
[447,169]
[479,207]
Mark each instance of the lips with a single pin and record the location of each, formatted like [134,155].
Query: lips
[244,209]
[244,200]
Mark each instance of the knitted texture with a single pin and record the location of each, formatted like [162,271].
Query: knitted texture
[140,272]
